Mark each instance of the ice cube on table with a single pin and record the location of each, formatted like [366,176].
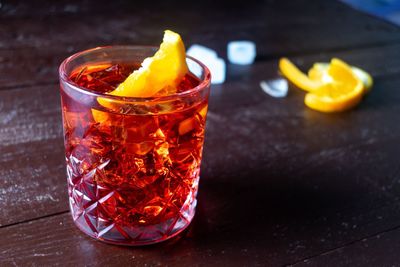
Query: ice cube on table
[209,58]
[194,68]
[276,88]
[218,70]
[241,52]
[201,52]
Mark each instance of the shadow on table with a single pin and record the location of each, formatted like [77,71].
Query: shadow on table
[274,212]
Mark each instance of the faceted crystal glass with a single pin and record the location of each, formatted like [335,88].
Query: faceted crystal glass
[133,164]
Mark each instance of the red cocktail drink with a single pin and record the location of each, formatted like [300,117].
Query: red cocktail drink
[132,163]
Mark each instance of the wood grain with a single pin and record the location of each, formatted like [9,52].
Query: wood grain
[313,191]
[271,223]
[31,159]
[25,45]
[281,184]
[380,249]
[268,130]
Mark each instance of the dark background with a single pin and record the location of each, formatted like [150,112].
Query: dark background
[281,184]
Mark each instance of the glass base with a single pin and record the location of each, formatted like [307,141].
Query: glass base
[104,214]
[134,236]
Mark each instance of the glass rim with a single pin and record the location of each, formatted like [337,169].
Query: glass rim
[204,83]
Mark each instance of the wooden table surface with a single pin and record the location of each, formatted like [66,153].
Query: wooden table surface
[281,184]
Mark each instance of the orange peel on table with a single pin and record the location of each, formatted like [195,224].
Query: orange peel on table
[160,73]
[330,87]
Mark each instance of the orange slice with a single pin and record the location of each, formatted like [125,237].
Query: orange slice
[318,72]
[163,71]
[341,91]
[331,87]
[158,74]
[298,78]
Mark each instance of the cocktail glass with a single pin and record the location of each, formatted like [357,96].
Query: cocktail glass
[133,164]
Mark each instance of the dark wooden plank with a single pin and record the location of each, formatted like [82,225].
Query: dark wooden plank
[27,67]
[280,183]
[302,198]
[381,249]
[32,66]
[277,26]
[31,160]
[35,184]
[238,108]
[236,224]
[29,57]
